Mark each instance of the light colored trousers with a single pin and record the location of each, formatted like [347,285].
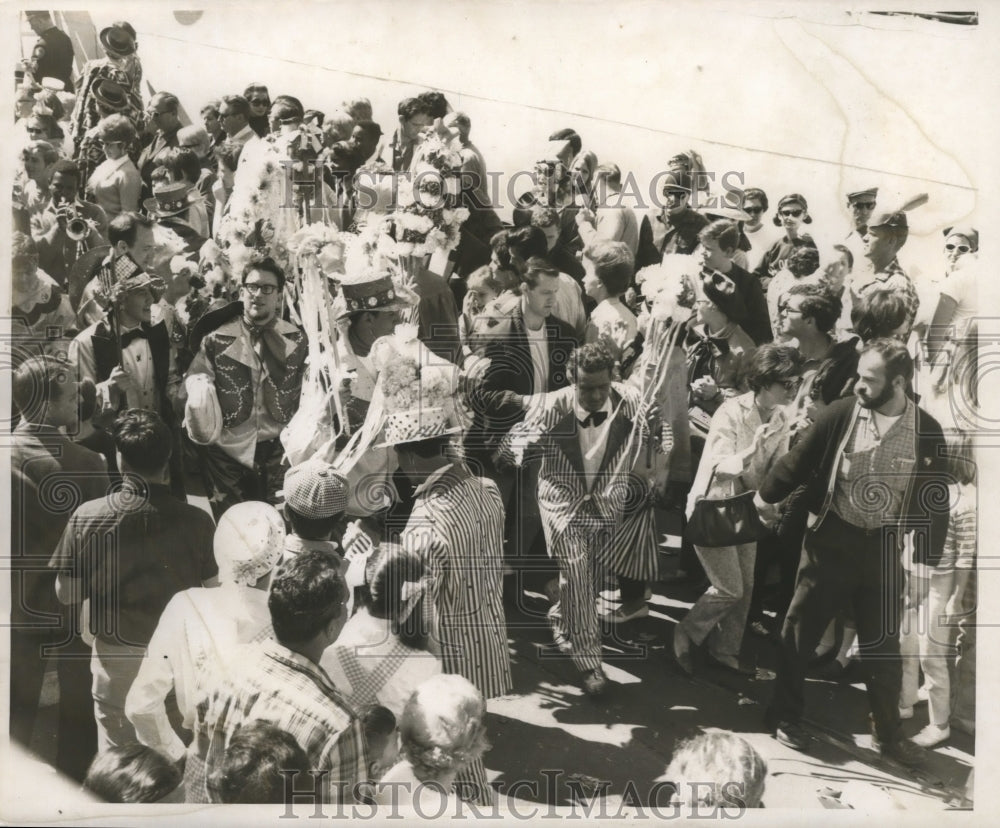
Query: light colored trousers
[925,643]
[720,615]
[114,668]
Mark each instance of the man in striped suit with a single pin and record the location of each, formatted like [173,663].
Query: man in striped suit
[594,502]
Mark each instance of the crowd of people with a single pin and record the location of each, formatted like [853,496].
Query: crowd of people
[402,414]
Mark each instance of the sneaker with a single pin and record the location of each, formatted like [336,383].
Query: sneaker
[903,751]
[932,735]
[906,712]
[595,682]
[792,736]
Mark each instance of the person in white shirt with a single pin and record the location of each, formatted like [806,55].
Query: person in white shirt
[201,628]
[612,220]
[609,269]
[116,184]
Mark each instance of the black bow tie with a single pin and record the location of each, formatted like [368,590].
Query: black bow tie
[132,335]
[593,419]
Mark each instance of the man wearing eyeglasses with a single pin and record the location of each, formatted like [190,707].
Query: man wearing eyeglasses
[861,204]
[243,388]
[672,229]
[163,122]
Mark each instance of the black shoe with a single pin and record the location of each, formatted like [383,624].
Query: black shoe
[792,735]
[903,751]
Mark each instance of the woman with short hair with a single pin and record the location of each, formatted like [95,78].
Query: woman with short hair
[115,184]
[747,434]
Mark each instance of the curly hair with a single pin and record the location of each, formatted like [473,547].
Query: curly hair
[442,728]
[803,261]
[143,440]
[819,304]
[590,359]
[718,768]
[307,593]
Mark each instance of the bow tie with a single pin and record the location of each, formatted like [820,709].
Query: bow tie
[136,333]
[593,419]
[272,351]
[718,345]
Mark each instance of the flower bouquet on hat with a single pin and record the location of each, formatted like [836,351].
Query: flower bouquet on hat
[248,232]
[418,389]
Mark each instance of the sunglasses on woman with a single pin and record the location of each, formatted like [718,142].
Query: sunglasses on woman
[791,213]
[961,248]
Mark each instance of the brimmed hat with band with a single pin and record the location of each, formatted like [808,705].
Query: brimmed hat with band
[118,40]
[371,292]
[110,95]
[169,199]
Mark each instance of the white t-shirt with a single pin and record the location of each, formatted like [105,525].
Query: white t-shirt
[538,342]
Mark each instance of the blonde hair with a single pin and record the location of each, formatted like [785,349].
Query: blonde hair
[719,768]
[442,727]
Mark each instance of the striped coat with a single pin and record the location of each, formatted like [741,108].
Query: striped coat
[614,513]
[457,526]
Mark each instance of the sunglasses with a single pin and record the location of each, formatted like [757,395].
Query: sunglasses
[786,309]
[753,211]
[792,213]
[863,205]
[259,102]
[961,248]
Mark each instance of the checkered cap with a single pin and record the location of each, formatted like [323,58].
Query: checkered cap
[314,490]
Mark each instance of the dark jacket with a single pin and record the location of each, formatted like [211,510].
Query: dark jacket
[657,236]
[815,458]
[497,402]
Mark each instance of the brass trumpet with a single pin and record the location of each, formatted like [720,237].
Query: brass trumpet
[77,227]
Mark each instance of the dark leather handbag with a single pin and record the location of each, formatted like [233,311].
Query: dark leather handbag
[726,521]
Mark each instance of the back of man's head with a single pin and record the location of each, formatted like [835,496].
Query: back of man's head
[36,383]
[252,770]
[307,593]
[527,242]
[143,440]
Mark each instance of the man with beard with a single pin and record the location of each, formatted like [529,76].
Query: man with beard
[872,466]
[243,388]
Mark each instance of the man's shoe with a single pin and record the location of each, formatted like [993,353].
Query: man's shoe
[682,650]
[595,682]
[904,751]
[932,735]
[792,736]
